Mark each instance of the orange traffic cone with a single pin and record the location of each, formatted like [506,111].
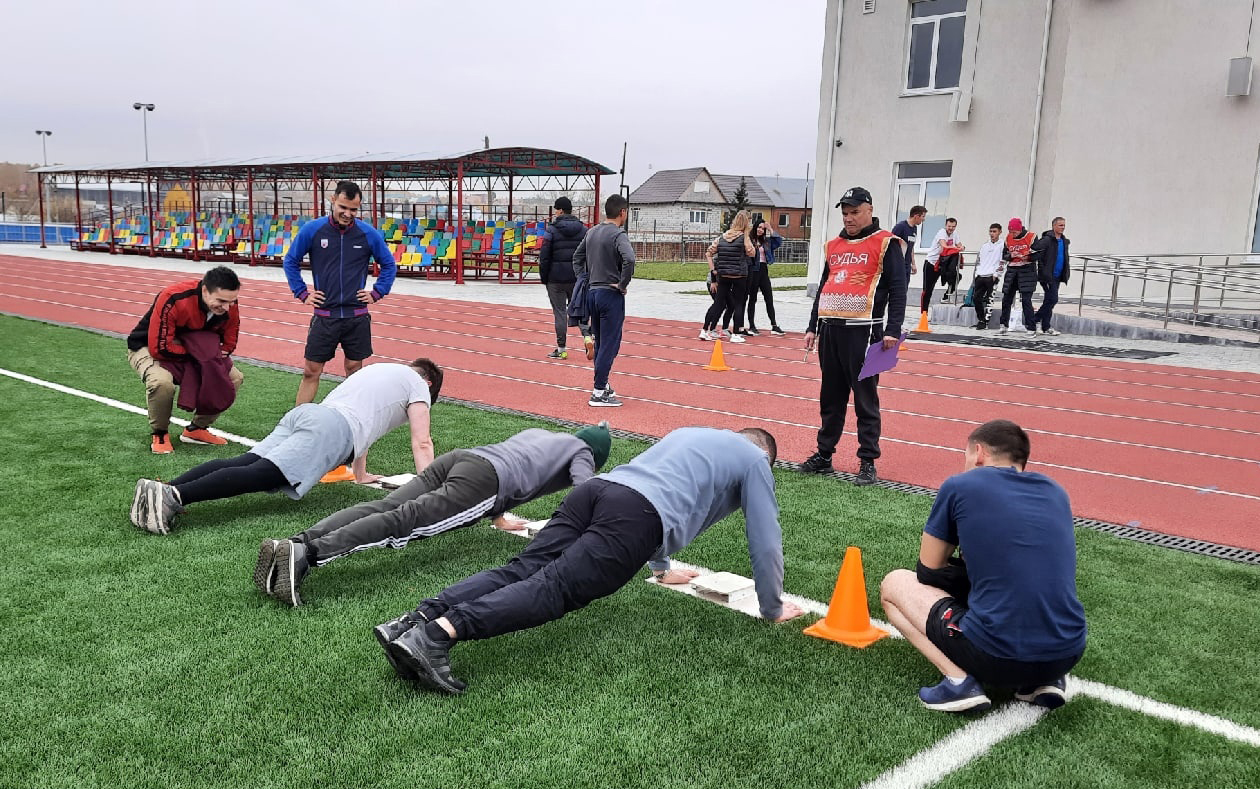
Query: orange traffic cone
[848,618]
[923,327]
[717,362]
[339,474]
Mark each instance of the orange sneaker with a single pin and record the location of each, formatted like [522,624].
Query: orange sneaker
[339,474]
[200,435]
[162,444]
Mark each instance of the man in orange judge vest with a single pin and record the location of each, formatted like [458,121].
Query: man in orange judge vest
[1021,275]
[863,276]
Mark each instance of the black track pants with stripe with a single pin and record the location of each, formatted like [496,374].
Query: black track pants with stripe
[458,488]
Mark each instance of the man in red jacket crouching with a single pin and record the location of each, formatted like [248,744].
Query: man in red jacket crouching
[208,304]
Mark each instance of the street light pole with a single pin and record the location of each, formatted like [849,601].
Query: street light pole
[44,134]
[144,108]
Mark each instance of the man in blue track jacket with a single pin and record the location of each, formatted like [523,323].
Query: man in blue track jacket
[340,250]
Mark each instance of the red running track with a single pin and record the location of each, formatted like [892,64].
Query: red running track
[1166,448]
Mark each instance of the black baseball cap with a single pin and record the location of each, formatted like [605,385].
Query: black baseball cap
[564,204]
[855,196]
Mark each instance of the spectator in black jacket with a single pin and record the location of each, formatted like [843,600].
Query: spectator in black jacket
[1051,253]
[555,269]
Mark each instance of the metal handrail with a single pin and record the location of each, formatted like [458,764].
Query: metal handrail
[1242,278]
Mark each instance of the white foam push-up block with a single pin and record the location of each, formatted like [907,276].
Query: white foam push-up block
[393,482]
[746,604]
[723,587]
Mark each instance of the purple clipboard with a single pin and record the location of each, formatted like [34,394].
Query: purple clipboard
[878,360]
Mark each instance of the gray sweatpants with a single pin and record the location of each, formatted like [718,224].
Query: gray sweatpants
[559,293]
[457,489]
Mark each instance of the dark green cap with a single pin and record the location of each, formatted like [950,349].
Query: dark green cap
[599,440]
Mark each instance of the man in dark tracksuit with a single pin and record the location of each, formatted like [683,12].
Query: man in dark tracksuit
[456,489]
[555,269]
[1051,252]
[606,256]
[599,539]
[863,275]
[340,250]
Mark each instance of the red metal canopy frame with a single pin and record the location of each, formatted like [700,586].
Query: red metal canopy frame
[515,168]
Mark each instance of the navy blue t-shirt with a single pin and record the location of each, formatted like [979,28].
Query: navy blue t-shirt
[907,233]
[1015,532]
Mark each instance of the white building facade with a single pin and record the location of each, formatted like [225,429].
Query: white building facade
[1130,118]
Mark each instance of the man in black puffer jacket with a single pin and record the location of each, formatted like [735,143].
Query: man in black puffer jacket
[555,269]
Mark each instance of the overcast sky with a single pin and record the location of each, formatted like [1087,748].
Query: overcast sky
[728,84]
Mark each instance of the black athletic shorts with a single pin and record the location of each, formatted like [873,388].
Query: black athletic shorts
[354,335]
[944,630]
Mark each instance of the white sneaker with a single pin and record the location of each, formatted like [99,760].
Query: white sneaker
[737,338]
[706,335]
[1003,329]
[1038,331]
[1053,332]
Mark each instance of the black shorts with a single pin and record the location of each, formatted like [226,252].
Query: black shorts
[354,335]
[944,630]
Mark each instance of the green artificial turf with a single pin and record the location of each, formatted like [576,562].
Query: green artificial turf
[135,660]
[698,271]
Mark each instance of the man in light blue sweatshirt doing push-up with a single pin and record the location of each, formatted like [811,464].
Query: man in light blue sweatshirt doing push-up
[599,539]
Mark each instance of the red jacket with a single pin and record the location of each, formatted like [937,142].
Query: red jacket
[178,309]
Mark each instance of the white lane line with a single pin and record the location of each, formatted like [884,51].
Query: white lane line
[398,312]
[948,755]
[962,398]
[117,404]
[1158,709]
[144,277]
[786,423]
[960,748]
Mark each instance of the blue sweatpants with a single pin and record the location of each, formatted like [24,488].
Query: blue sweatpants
[607,308]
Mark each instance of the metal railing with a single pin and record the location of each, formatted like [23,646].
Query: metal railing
[1181,287]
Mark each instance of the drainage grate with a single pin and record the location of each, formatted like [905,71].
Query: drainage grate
[1047,345]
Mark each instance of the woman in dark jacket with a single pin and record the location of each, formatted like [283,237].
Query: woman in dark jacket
[728,259]
[765,241]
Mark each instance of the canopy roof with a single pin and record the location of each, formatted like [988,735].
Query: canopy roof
[491,162]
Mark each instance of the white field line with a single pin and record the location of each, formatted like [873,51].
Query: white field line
[949,754]
[955,751]
[1158,709]
[116,404]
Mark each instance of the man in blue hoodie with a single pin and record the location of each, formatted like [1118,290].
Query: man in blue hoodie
[340,250]
[599,539]
[555,269]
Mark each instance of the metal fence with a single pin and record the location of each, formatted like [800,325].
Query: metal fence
[1221,291]
[690,247]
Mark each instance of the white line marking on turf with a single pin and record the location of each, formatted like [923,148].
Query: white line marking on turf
[963,746]
[1158,709]
[932,764]
[116,404]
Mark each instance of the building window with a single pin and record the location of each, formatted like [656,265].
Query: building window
[783,220]
[699,217]
[934,62]
[925,184]
[807,219]
[634,214]
[757,217]
[700,187]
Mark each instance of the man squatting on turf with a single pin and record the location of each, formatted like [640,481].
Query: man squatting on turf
[1009,616]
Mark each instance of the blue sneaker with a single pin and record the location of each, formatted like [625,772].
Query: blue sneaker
[1050,696]
[948,697]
